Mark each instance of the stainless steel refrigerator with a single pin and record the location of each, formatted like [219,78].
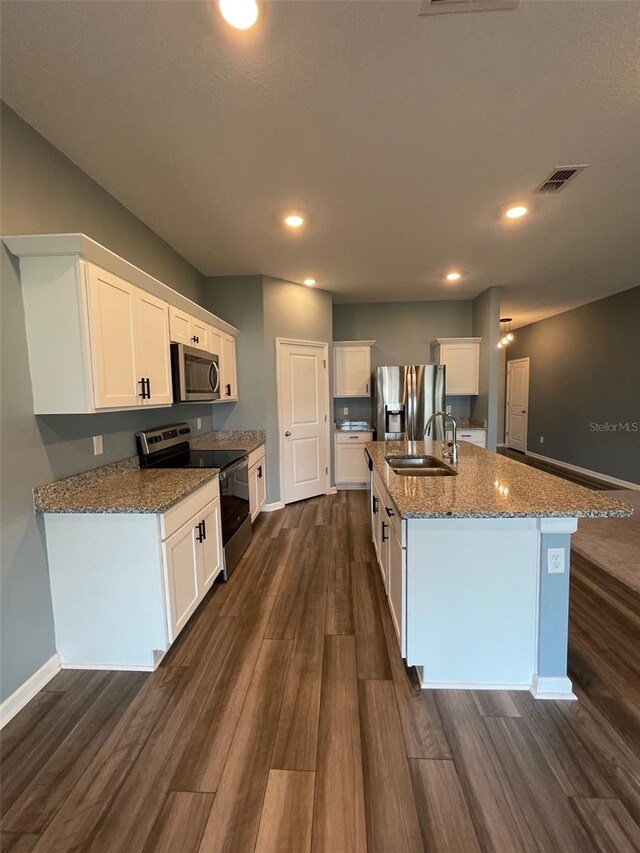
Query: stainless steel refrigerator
[405,399]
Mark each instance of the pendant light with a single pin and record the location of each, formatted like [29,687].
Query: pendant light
[505,332]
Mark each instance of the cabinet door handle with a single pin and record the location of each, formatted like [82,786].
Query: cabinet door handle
[259,472]
[227,389]
[148,388]
[375,505]
[195,339]
[143,387]
[390,512]
[204,529]
[366,388]
[199,536]
[384,527]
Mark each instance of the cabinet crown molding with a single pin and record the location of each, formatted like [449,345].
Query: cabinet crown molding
[353,343]
[80,246]
[458,340]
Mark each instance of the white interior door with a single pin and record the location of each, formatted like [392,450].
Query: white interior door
[303,420]
[517,403]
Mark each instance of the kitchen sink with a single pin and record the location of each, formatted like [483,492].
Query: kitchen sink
[420,466]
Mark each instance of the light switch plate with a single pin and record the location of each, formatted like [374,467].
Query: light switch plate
[98,448]
[555,561]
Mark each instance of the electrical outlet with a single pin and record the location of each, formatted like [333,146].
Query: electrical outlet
[345,410]
[541,439]
[198,423]
[98,448]
[555,561]
[448,409]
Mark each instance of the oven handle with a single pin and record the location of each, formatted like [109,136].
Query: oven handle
[238,464]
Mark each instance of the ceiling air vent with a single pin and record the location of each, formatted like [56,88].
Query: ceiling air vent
[441,7]
[559,178]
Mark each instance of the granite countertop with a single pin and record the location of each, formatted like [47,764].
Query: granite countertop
[138,490]
[247,440]
[125,487]
[487,485]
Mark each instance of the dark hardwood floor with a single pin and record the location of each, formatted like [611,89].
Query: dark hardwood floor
[284,720]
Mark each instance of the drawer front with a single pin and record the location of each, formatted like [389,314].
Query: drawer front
[182,512]
[394,520]
[255,456]
[353,437]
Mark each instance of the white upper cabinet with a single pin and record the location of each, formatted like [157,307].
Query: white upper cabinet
[99,329]
[228,370]
[188,330]
[461,356]
[352,368]
[112,323]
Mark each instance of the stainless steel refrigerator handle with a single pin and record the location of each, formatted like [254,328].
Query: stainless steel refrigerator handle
[411,430]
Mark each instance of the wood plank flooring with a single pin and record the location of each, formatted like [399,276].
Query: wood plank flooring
[285,721]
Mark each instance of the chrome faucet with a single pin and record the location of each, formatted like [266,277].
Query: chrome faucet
[446,454]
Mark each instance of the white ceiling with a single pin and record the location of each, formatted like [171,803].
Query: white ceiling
[400,138]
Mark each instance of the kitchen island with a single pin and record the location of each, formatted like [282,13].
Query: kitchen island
[476,566]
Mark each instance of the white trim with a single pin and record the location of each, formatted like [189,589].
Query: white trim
[120,667]
[595,474]
[25,693]
[280,342]
[272,507]
[80,246]
[501,444]
[332,490]
[346,487]
[546,687]
[458,341]
[353,343]
[471,685]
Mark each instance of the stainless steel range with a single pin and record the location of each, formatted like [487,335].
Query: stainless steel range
[169,447]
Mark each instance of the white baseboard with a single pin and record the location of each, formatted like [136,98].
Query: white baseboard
[345,487]
[272,507]
[501,444]
[544,687]
[470,685]
[25,693]
[625,484]
[331,491]
[111,667]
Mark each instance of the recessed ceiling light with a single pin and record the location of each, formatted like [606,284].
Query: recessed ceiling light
[453,276]
[241,14]
[294,221]
[309,282]
[517,211]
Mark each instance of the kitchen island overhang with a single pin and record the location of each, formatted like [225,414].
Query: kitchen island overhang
[483,571]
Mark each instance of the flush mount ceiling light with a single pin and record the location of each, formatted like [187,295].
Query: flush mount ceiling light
[453,276]
[241,14]
[293,220]
[505,331]
[517,211]
[309,282]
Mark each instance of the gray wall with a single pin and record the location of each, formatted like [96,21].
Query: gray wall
[301,313]
[486,324]
[239,300]
[43,192]
[404,333]
[584,369]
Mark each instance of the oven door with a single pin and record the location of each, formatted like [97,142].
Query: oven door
[196,374]
[234,498]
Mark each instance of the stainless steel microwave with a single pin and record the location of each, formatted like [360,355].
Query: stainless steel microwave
[196,374]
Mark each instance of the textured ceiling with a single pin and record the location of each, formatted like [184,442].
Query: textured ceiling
[400,138]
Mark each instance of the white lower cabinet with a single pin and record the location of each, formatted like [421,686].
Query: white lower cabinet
[351,464]
[257,481]
[123,585]
[389,540]
[473,436]
[193,560]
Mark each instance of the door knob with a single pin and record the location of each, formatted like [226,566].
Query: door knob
[287,433]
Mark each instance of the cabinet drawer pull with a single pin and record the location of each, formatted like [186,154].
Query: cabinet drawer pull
[375,505]
[384,526]
[390,512]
